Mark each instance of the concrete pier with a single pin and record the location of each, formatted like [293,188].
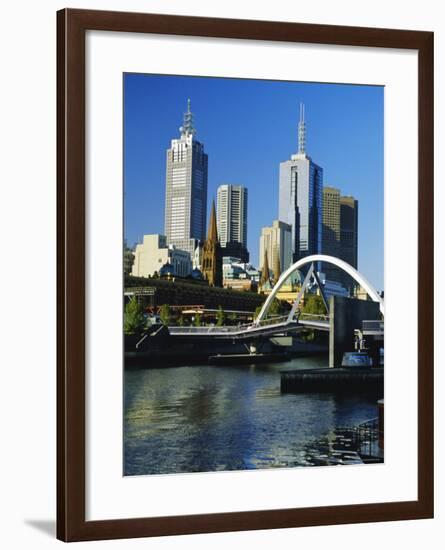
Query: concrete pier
[347,314]
[339,380]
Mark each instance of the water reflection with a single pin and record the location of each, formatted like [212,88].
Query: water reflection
[207,418]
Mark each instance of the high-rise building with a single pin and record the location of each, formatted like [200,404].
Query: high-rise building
[300,198]
[331,221]
[186,188]
[331,231]
[349,230]
[231,215]
[276,243]
[340,233]
[211,265]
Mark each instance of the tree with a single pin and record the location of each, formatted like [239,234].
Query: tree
[220,317]
[275,307]
[257,311]
[233,318]
[313,304]
[165,314]
[134,321]
[181,320]
[197,320]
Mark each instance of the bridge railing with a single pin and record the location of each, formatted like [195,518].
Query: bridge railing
[203,330]
[230,328]
[313,317]
[272,320]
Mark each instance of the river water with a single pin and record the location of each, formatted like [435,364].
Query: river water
[207,418]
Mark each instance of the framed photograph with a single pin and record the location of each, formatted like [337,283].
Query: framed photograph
[245,275]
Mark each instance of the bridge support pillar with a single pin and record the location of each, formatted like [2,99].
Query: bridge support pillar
[347,314]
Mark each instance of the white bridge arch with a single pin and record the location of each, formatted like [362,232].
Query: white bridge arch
[356,275]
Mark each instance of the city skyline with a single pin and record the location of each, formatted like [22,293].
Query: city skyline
[231,151]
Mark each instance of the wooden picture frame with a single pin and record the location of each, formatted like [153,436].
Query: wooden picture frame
[72,25]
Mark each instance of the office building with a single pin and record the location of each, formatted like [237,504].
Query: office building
[186,189]
[300,198]
[349,230]
[340,233]
[276,241]
[231,215]
[331,231]
[331,221]
[153,253]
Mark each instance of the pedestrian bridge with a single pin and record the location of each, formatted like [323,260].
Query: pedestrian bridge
[273,326]
[265,325]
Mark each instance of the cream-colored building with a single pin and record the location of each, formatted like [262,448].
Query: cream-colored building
[153,253]
[277,240]
[288,292]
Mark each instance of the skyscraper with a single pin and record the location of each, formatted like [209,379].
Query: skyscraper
[331,221]
[340,233]
[232,220]
[276,244]
[186,188]
[331,230]
[349,230]
[300,198]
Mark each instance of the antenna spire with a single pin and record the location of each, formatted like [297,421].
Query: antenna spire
[187,127]
[302,132]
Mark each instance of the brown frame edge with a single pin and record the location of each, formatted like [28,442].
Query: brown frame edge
[71,27]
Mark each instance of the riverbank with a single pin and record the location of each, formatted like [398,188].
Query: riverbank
[157,359]
[167,351]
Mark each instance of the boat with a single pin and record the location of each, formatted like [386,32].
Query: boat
[360,358]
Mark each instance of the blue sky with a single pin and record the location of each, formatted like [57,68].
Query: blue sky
[248,127]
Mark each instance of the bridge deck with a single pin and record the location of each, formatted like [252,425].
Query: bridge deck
[266,328]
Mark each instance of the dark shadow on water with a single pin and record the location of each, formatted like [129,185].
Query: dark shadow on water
[46,526]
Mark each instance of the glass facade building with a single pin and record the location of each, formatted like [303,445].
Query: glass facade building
[301,204]
[301,198]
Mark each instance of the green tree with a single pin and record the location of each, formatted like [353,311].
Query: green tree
[165,314]
[197,320]
[134,321]
[313,304]
[257,311]
[220,317]
[233,318]
[181,320]
[275,307]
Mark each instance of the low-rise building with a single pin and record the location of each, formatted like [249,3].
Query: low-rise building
[153,253]
[239,275]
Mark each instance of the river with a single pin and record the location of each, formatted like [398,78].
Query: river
[208,418]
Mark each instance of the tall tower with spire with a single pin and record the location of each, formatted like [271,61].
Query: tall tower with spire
[212,253]
[301,197]
[186,188]
[301,132]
